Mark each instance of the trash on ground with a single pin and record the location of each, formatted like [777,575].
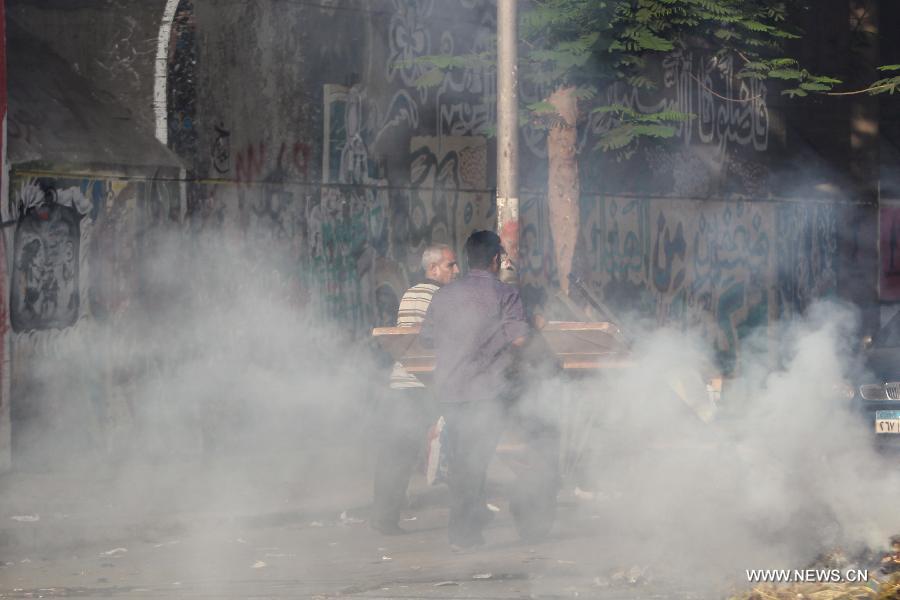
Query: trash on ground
[348,520]
[26,518]
[493,507]
[317,524]
[114,552]
[890,562]
[258,565]
[818,591]
[241,541]
[386,557]
[482,576]
[410,519]
[583,494]
[445,583]
[633,576]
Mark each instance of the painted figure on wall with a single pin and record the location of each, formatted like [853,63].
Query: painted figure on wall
[45,283]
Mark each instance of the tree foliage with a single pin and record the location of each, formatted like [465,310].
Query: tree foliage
[591,44]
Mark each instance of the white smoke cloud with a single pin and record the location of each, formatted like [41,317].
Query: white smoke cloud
[785,471]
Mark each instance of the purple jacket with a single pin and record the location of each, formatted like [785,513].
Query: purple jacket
[470,323]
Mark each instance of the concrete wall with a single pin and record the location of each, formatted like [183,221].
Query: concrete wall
[302,130]
[77,252]
[5,430]
[309,117]
[111,43]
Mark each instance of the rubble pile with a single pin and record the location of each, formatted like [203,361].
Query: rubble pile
[885,586]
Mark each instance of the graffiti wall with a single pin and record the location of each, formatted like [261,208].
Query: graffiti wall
[75,247]
[334,151]
[723,269]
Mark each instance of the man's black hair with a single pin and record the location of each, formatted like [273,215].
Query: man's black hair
[481,248]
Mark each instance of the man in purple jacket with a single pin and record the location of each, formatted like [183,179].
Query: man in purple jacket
[474,325]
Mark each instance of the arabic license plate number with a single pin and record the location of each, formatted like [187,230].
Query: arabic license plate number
[887,421]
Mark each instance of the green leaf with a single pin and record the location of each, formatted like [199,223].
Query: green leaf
[815,87]
[432,78]
[615,108]
[542,107]
[786,74]
[784,62]
[889,68]
[649,41]
[822,79]
[659,131]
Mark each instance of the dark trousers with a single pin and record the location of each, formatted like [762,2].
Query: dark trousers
[402,425]
[473,430]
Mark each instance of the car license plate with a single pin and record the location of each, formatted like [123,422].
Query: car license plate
[887,421]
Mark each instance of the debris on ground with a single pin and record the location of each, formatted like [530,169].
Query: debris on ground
[258,565]
[493,507]
[482,576]
[316,524]
[445,583]
[635,575]
[348,520]
[890,589]
[814,591]
[386,557]
[583,494]
[890,562]
[114,552]
[26,518]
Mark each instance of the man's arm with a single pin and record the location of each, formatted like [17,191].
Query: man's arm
[515,325]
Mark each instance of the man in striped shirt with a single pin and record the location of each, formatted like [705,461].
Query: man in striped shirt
[406,412]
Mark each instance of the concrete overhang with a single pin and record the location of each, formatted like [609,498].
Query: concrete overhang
[57,118]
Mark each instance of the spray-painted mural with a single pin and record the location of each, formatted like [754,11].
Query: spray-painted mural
[721,268]
[45,290]
[402,166]
[76,251]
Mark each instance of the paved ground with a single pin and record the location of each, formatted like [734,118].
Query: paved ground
[159,534]
[243,559]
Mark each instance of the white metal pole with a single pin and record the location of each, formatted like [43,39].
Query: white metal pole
[507,129]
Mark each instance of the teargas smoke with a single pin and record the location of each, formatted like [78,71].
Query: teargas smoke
[255,401]
[230,390]
[784,473]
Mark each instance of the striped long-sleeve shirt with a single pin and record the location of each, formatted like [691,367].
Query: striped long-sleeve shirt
[413,307]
